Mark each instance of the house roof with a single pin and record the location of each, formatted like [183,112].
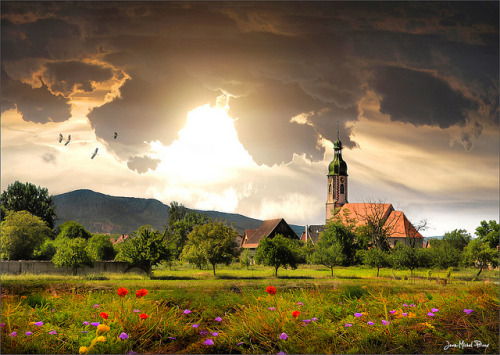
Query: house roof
[313,232]
[401,226]
[252,237]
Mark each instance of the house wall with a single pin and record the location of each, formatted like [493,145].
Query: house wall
[17,267]
[419,242]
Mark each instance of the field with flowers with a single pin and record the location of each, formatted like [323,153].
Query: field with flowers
[257,316]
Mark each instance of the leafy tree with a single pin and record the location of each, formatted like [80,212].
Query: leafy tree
[488,232]
[194,255]
[73,254]
[99,247]
[443,255]
[480,254]
[245,258]
[336,232]
[329,254]
[179,228]
[145,250]
[376,258]
[28,197]
[46,251]
[216,241]
[407,257]
[307,251]
[71,230]
[176,212]
[277,251]
[458,239]
[22,233]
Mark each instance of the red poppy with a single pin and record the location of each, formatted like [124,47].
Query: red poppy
[122,291]
[271,290]
[295,314]
[104,315]
[143,316]
[141,292]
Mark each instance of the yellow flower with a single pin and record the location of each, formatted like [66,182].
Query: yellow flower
[102,328]
[83,350]
[428,325]
[101,339]
[364,286]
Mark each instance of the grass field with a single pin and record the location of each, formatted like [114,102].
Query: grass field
[311,312]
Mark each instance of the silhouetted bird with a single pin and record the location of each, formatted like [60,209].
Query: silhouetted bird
[116,135]
[95,153]
[69,138]
[60,137]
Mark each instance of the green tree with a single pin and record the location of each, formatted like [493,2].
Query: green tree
[407,257]
[278,251]
[100,248]
[194,255]
[146,250]
[180,226]
[488,232]
[376,258]
[216,241]
[28,197]
[443,255]
[480,254]
[71,230]
[46,251]
[307,251]
[245,258]
[73,254]
[336,232]
[458,239]
[329,254]
[22,233]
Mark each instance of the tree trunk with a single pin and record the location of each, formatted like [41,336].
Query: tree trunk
[378,269]
[332,270]
[276,272]
[214,268]
[481,269]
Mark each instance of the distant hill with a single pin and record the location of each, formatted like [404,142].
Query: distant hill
[100,213]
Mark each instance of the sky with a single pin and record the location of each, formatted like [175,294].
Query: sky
[234,106]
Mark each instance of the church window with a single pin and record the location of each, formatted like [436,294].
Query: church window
[342,188]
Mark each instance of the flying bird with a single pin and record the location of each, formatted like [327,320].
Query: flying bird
[116,135]
[60,137]
[95,153]
[69,138]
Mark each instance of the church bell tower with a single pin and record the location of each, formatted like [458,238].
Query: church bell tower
[337,181]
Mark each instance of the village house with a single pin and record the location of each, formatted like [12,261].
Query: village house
[268,228]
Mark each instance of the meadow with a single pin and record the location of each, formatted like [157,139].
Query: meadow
[303,311]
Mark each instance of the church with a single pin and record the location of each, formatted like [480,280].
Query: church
[399,227]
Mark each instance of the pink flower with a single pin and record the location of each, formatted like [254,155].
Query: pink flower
[39,324]
[208,342]
[195,325]
[405,305]
[300,303]
[348,325]
[123,336]
[52,332]
[384,322]
[430,314]
[392,312]
[405,314]
[13,334]
[215,334]
[358,315]
[370,323]
[218,319]
[283,336]
[187,311]
[434,310]
[468,311]
[28,333]
[272,308]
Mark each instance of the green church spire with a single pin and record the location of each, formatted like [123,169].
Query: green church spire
[338,166]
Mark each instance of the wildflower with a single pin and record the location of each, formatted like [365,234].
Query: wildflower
[195,325]
[101,339]
[104,315]
[2,324]
[384,322]
[283,336]
[28,333]
[95,306]
[412,305]
[405,305]
[86,322]
[430,314]
[102,328]
[404,314]
[131,352]
[208,342]
[272,308]
[295,314]
[240,343]
[300,303]
[187,311]
[122,291]
[468,311]
[173,338]
[370,323]
[340,303]
[357,315]
[83,350]
[271,290]
[123,336]
[215,334]
[392,312]
[38,324]
[428,325]
[347,325]
[314,319]
[143,316]
[95,324]
[204,332]
[142,292]
[218,319]
[84,331]
[137,311]
[13,334]
[52,332]
[434,310]
[53,310]
[364,286]
[281,353]
[306,321]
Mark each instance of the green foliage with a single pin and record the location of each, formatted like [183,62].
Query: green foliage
[458,239]
[71,230]
[443,255]
[336,232]
[329,255]
[278,251]
[100,248]
[46,251]
[146,250]
[406,257]
[73,254]
[376,258]
[194,255]
[307,251]
[28,197]
[480,254]
[22,233]
[488,232]
[245,258]
[215,240]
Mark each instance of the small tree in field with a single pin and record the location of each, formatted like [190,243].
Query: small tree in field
[72,229]
[100,248]
[376,258]
[488,232]
[72,253]
[480,254]
[277,251]
[407,257]
[245,258]
[329,255]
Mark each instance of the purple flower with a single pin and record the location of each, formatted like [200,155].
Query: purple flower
[39,324]
[187,311]
[131,352]
[2,324]
[240,343]
[384,322]
[283,336]
[208,342]
[340,303]
[173,338]
[96,306]
[392,312]
[306,321]
[314,319]
[13,334]
[195,325]
[123,336]
[272,308]
[281,353]
[137,311]
[358,314]
[412,305]
[434,310]
[28,333]
[348,325]
[430,314]
[404,314]
[215,334]
[300,303]
[53,310]
[405,305]
[370,323]
[52,332]
[95,324]
[468,311]
[218,319]
[84,331]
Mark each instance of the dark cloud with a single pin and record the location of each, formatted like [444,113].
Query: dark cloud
[49,158]
[34,104]
[142,164]
[419,98]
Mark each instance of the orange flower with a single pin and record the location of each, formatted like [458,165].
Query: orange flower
[104,315]
[143,316]
[122,291]
[141,292]
[295,314]
[271,290]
